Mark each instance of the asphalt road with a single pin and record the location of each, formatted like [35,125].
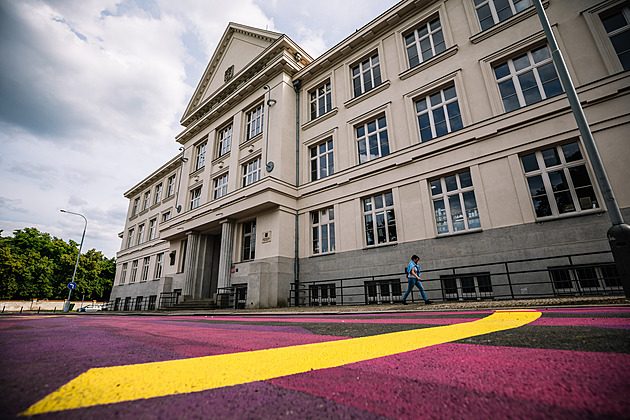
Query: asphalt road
[536,363]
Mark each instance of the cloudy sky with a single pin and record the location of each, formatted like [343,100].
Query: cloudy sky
[92,92]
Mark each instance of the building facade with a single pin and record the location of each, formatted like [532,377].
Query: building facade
[439,129]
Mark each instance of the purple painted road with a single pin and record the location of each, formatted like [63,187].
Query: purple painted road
[523,373]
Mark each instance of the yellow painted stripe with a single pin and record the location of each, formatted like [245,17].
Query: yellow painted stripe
[148,380]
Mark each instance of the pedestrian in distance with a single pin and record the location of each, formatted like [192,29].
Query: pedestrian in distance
[413,278]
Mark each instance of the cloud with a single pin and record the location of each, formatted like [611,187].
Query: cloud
[92,91]
[12,205]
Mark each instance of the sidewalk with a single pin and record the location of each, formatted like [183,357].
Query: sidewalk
[410,307]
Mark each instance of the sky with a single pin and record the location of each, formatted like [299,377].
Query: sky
[92,92]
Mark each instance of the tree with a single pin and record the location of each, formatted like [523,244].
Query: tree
[35,265]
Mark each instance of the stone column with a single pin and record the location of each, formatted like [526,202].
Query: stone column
[225,258]
[191,264]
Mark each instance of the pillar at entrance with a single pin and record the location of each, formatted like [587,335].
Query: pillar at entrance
[191,264]
[225,258]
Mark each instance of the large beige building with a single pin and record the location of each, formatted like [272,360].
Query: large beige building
[440,129]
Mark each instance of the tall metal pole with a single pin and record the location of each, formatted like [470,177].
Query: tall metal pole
[66,306]
[619,233]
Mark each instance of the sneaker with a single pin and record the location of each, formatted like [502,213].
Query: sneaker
[403,302]
[428,302]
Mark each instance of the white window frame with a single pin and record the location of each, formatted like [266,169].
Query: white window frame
[378,133]
[166,216]
[170,186]
[565,167]
[375,207]
[147,200]
[140,233]
[159,265]
[145,269]
[431,35]
[152,226]
[200,155]
[625,12]
[368,73]
[220,186]
[248,253]
[195,198]
[514,74]
[130,238]
[494,14]
[224,141]
[123,273]
[255,121]
[252,171]
[136,206]
[322,152]
[321,95]
[158,194]
[443,217]
[323,231]
[433,107]
[134,271]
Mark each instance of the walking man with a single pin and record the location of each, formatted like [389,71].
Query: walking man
[413,278]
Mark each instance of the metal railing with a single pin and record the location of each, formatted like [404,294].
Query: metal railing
[592,273]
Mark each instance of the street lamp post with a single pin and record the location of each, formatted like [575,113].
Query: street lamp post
[66,306]
[619,233]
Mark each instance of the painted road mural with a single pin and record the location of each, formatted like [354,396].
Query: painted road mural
[531,363]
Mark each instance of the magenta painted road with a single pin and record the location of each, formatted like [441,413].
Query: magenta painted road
[570,363]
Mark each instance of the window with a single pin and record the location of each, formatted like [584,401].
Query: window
[322,162]
[559,181]
[454,203]
[470,287]
[136,205]
[585,279]
[372,140]
[424,42]
[220,186]
[438,114]
[224,141]
[166,216]
[379,210]
[170,186]
[251,172]
[140,233]
[159,264]
[145,269]
[151,304]
[323,228]
[382,291]
[200,156]
[249,240]
[195,198]
[491,12]
[158,193]
[147,201]
[366,75]
[138,305]
[618,29]
[130,238]
[152,226]
[321,100]
[322,294]
[255,122]
[134,270]
[527,79]
[123,273]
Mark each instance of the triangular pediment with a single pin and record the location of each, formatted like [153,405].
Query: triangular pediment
[239,45]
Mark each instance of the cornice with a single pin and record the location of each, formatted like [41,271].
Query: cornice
[272,61]
[362,37]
